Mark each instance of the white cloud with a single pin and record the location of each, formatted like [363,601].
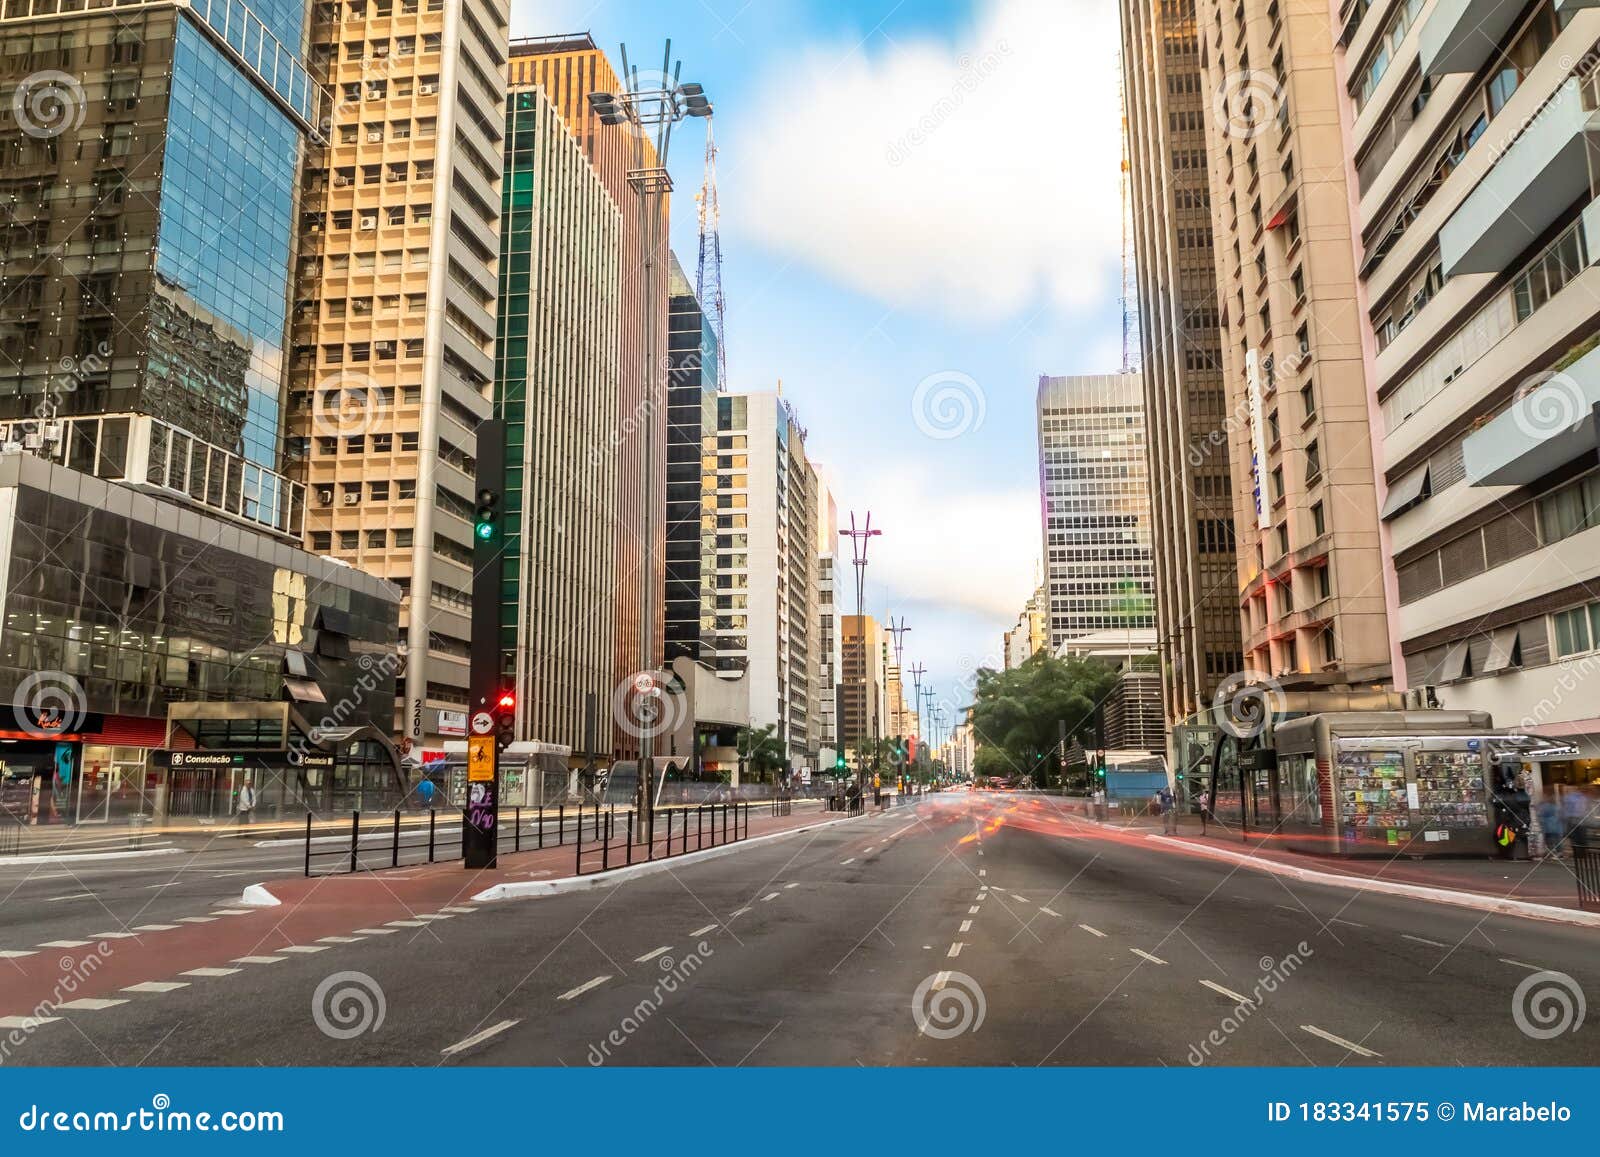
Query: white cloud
[975,178]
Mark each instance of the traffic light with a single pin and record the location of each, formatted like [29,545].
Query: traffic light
[505,719]
[487,525]
[839,763]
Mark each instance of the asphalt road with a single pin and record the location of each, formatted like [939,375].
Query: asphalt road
[875,941]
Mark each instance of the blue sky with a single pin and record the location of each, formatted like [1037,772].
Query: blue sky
[919,217]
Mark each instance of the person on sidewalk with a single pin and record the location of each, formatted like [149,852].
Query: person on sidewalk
[247,802]
[1169,813]
[425,791]
[1204,800]
[1550,825]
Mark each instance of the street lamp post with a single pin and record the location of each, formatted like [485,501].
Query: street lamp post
[860,538]
[917,672]
[650,108]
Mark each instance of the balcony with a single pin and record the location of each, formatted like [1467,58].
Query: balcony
[1547,427]
[1541,174]
[1461,34]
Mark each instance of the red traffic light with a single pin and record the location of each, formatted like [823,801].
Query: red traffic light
[507,701]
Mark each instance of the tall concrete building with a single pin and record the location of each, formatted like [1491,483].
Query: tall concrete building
[1094,498]
[765,601]
[1031,634]
[861,692]
[1310,590]
[828,651]
[1191,502]
[691,447]
[556,383]
[569,68]
[392,366]
[1478,224]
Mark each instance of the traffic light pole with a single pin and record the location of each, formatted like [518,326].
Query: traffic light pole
[481,823]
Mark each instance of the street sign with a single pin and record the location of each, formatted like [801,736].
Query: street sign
[480,759]
[482,723]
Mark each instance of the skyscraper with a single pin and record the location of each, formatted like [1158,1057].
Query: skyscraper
[1191,503]
[1310,588]
[569,68]
[1094,497]
[393,353]
[691,444]
[556,388]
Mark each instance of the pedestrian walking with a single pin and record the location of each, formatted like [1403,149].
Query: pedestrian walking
[247,802]
[1204,800]
[1574,812]
[425,791]
[1169,813]
[1550,825]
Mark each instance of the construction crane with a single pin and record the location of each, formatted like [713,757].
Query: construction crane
[709,291]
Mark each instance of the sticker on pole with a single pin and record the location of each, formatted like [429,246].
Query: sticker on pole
[480,759]
[482,723]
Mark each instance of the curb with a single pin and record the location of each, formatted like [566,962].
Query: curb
[257,896]
[532,889]
[1474,900]
[76,857]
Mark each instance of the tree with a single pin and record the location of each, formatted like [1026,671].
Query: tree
[761,750]
[1017,715]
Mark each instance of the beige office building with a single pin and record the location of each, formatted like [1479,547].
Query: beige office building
[1167,106]
[1311,594]
[393,338]
[1470,126]
[556,387]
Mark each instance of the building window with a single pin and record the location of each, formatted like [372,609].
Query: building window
[1576,630]
[1319,521]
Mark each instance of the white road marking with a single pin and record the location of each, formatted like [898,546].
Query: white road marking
[437,916]
[973,911]
[966,926]
[64,943]
[1352,923]
[1020,898]
[460,911]
[738,912]
[1048,911]
[91,1003]
[983,871]
[955,949]
[1339,1040]
[259,959]
[1503,960]
[196,919]
[939,981]
[851,860]
[1290,907]
[769,896]
[302,948]
[26,1021]
[1147,956]
[652,954]
[707,928]
[1423,940]
[1227,992]
[796,884]
[114,935]
[211,972]
[1092,931]
[231,911]
[477,1038]
[340,939]
[74,896]
[157,986]
[377,931]
[154,927]
[407,924]
[14,954]
[583,988]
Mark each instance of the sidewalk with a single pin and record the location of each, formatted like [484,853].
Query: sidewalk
[1533,881]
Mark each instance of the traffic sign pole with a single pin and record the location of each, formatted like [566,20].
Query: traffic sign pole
[481,822]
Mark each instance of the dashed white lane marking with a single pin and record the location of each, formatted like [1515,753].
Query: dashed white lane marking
[973,911]
[14,954]
[304,949]
[1227,992]
[477,1038]
[1092,931]
[1352,923]
[1289,907]
[259,959]
[436,916]
[851,860]
[114,935]
[340,939]
[377,931]
[26,1021]
[955,949]
[769,896]
[231,911]
[966,926]
[460,911]
[1048,911]
[795,884]
[206,972]
[1423,940]
[157,986]
[739,912]
[64,943]
[154,927]
[1359,1050]
[407,923]
[1147,956]
[867,849]
[1521,964]
[1020,898]
[652,954]
[707,928]
[92,1003]
[983,871]
[583,988]
[196,919]
[73,896]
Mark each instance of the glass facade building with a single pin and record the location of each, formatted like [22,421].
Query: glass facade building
[691,476]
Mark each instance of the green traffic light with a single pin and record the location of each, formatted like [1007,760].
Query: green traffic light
[485,530]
